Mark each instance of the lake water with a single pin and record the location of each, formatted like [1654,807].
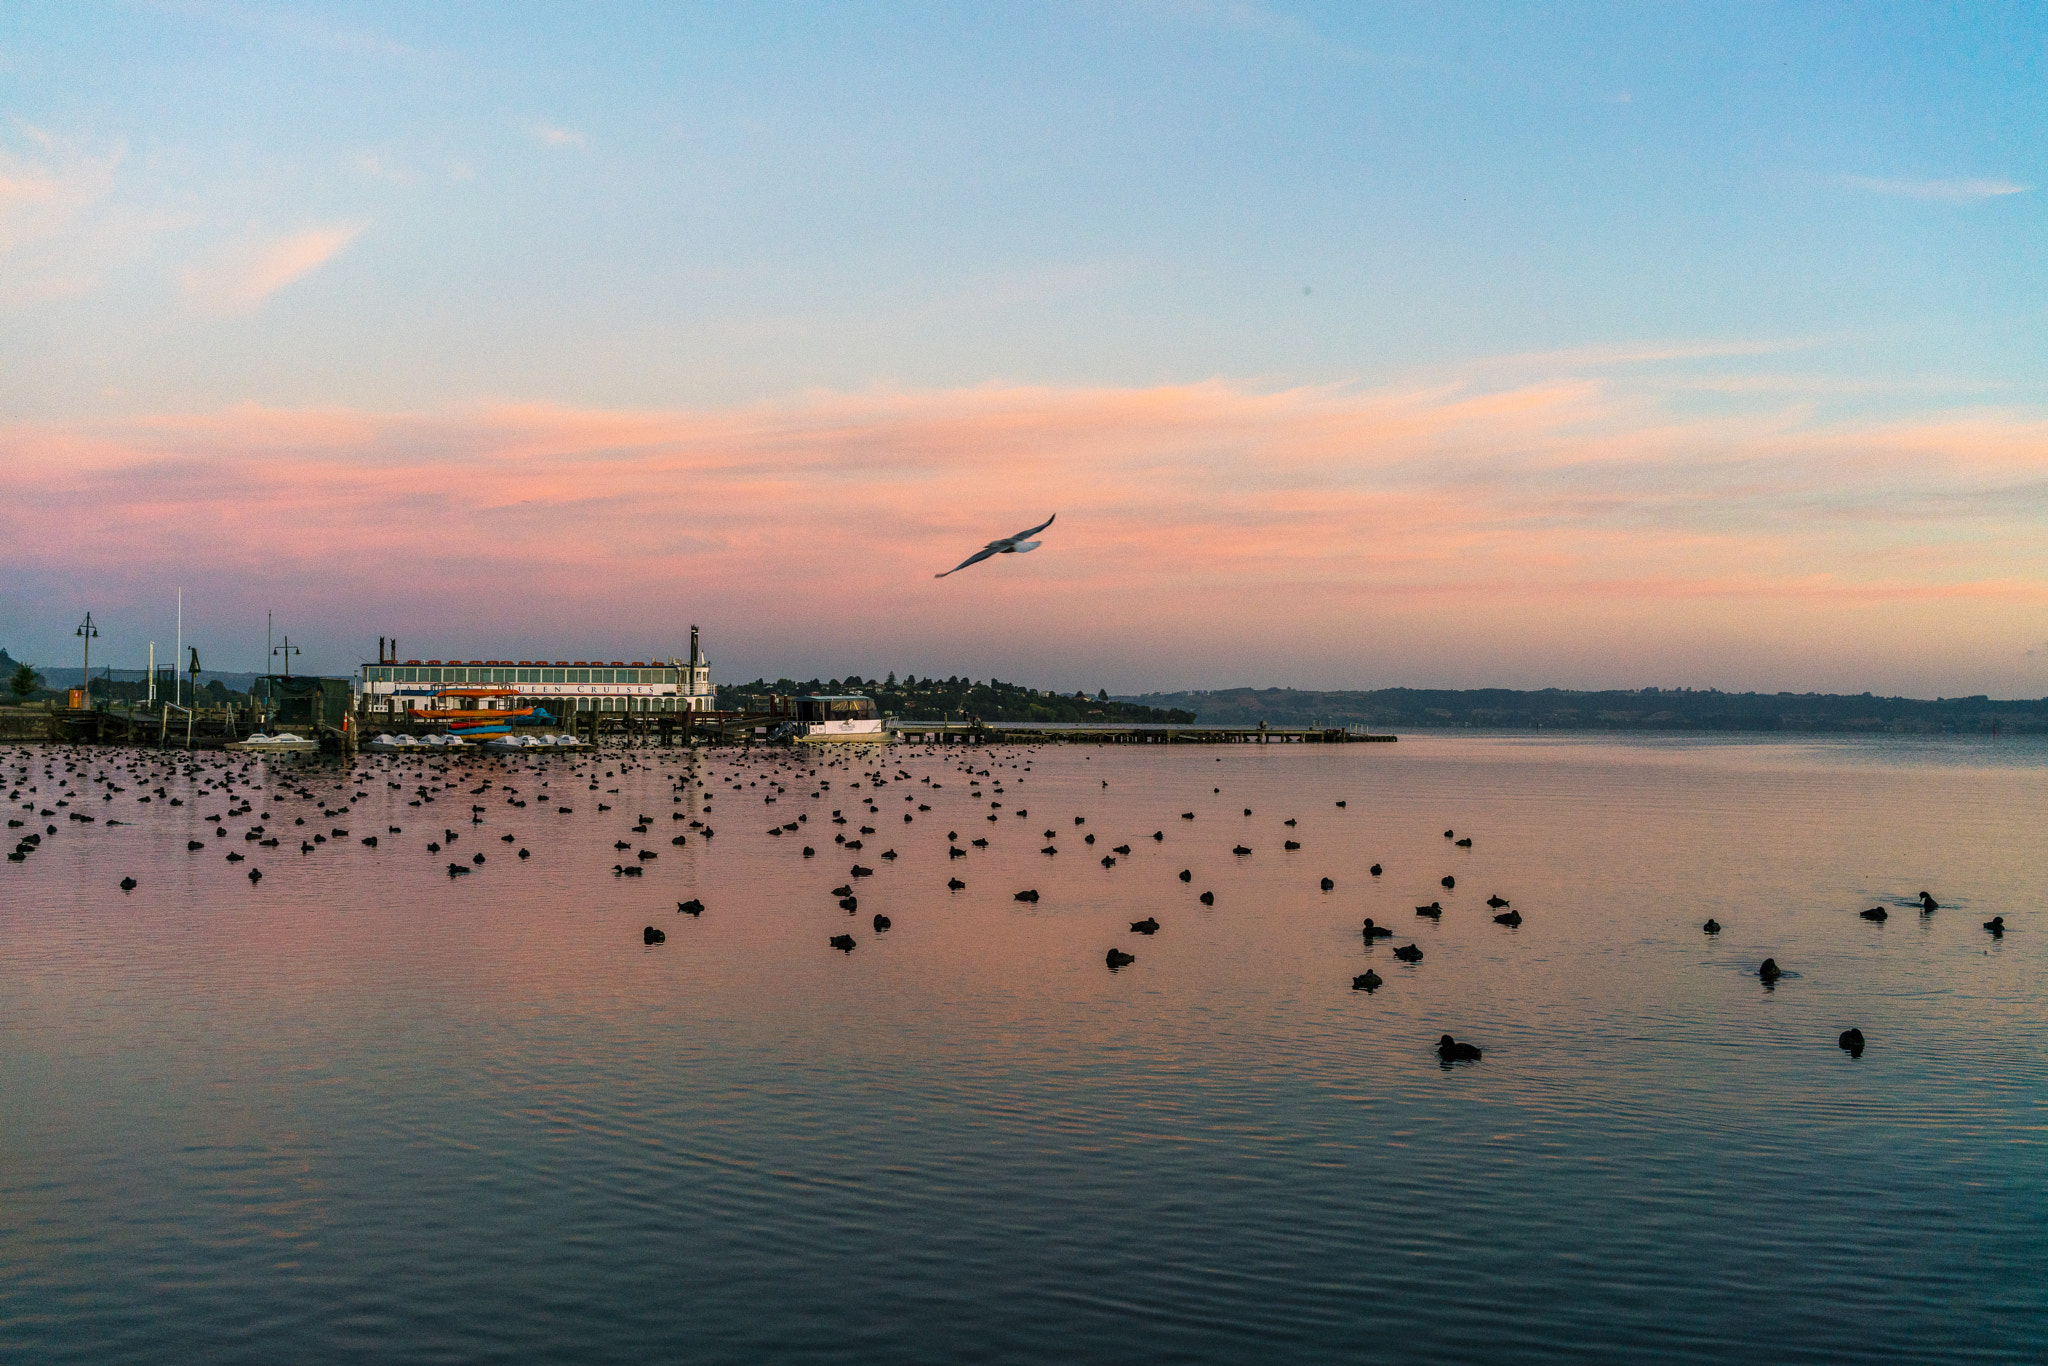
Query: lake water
[367,1109]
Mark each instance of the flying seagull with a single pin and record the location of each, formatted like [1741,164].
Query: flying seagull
[1009,545]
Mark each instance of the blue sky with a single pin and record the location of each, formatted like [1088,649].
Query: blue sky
[1821,215]
[665,204]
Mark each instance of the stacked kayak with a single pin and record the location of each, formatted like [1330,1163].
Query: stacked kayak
[498,722]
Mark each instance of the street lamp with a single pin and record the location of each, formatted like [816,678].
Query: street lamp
[287,650]
[86,631]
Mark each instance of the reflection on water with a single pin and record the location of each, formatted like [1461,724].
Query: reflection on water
[367,1107]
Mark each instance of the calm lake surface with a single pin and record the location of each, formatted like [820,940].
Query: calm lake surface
[366,1108]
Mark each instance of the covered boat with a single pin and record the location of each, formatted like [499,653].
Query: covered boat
[851,716]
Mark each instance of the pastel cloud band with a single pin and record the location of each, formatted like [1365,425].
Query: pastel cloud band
[1555,521]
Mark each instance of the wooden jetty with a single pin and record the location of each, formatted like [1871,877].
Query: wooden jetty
[212,728]
[1128,733]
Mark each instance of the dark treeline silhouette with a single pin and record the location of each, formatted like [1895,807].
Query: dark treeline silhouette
[1565,709]
[939,699]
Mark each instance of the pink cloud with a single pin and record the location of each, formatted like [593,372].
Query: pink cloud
[241,278]
[1205,530]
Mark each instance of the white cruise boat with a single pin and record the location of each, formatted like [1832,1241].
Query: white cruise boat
[851,717]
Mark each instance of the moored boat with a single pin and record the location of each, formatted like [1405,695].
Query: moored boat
[851,717]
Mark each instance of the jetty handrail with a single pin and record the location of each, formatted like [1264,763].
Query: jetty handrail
[163,729]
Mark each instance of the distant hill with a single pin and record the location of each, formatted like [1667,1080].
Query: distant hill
[124,685]
[1565,709]
[57,676]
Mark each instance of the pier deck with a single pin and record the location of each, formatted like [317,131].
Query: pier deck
[1135,733]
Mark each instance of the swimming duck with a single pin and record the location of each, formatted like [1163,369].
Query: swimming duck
[1450,1050]
[1408,953]
[1875,913]
[1996,924]
[1497,902]
[690,907]
[1186,875]
[1851,1042]
[1770,970]
[1208,898]
[1328,885]
[1373,931]
[1366,981]
[1432,910]
[1117,958]
[1508,918]
[1375,870]
[650,935]
[842,942]
[881,923]
[1712,926]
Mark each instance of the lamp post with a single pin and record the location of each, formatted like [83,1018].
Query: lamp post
[287,650]
[86,631]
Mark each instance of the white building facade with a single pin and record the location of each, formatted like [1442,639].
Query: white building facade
[392,688]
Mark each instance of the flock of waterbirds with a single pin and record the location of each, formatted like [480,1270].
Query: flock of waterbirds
[80,779]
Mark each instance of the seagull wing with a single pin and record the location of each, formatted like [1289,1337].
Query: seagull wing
[1007,544]
[976,558]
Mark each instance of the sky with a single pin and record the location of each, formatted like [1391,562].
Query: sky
[1354,345]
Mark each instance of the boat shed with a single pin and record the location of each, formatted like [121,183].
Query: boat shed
[304,701]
